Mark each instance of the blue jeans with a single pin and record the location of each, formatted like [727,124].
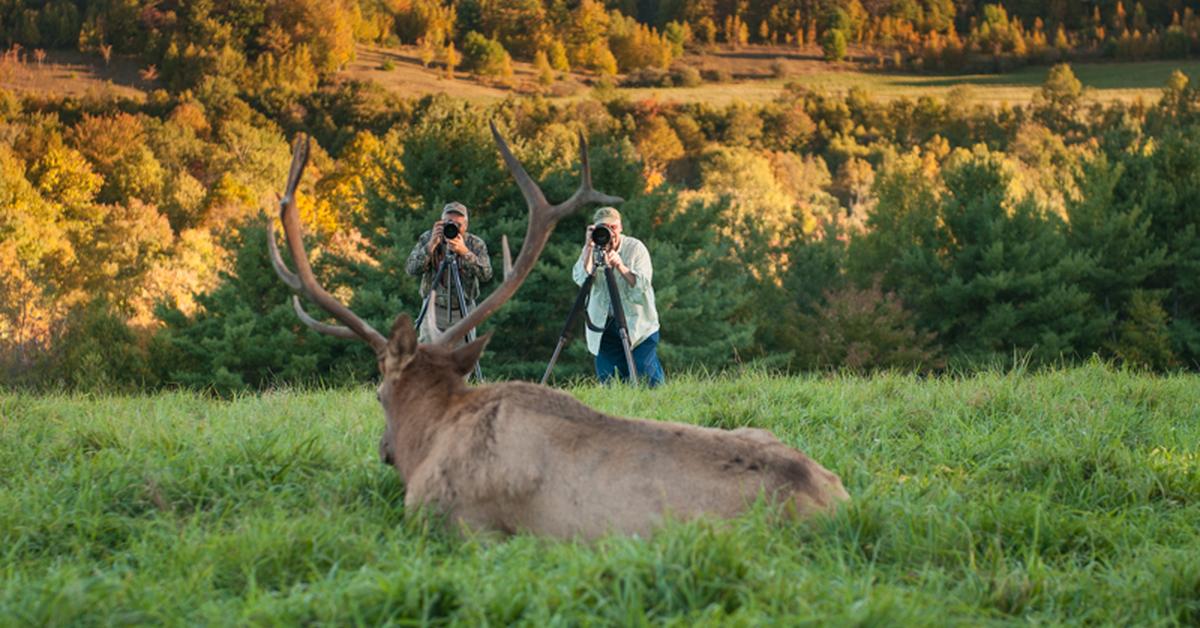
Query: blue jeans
[612,357]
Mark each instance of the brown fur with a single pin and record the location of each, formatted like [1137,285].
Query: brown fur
[518,457]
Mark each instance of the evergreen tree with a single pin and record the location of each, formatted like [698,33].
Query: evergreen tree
[246,335]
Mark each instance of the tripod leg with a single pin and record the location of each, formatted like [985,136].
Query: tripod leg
[437,277]
[462,309]
[565,336]
[614,297]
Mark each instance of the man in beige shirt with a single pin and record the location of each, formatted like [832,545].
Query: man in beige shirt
[630,261]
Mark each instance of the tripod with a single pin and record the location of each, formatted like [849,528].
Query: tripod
[449,264]
[616,311]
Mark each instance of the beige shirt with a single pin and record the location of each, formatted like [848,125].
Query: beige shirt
[637,300]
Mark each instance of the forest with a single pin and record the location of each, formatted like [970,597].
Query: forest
[818,231]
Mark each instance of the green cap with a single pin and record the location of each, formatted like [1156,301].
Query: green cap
[455,208]
[606,215]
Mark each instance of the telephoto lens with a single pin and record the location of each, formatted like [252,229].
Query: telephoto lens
[601,236]
[450,230]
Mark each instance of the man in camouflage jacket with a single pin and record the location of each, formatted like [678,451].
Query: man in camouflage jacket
[473,263]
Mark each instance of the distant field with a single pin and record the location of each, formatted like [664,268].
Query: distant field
[1105,82]
[1066,497]
[752,70]
[69,73]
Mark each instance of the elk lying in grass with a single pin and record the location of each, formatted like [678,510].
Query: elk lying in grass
[518,457]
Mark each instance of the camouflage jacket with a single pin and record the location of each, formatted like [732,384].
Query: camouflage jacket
[474,269]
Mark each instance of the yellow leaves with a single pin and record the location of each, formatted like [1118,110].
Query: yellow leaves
[192,267]
[65,176]
[658,145]
[366,164]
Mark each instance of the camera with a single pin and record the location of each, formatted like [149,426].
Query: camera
[450,230]
[601,236]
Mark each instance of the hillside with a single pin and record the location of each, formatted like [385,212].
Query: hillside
[70,73]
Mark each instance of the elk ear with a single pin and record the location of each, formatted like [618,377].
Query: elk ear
[467,355]
[404,338]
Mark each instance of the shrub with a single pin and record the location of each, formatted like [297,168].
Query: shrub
[1144,337]
[99,352]
[863,330]
[833,43]
[486,56]
[779,69]
[686,76]
[646,77]
[716,75]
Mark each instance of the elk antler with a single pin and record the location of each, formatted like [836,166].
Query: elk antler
[302,280]
[506,256]
[542,218]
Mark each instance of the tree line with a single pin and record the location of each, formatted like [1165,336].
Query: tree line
[816,231]
[280,47]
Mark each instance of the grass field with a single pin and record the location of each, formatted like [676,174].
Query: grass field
[1105,82]
[1065,497]
[753,68]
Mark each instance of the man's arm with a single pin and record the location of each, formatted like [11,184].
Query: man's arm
[637,272]
[477,263]
[419,260]
[580,273]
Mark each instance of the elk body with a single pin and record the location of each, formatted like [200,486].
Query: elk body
[518,457]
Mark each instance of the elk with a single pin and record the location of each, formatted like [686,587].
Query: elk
[516,457]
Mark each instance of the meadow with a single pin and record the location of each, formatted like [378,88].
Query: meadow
[1065,496]
[1104,81]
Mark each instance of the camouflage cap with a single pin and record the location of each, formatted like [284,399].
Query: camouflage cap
[455,207]
[606,215]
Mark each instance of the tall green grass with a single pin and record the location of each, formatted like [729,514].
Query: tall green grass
[1070,496]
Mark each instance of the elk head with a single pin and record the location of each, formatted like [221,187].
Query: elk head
[429,375]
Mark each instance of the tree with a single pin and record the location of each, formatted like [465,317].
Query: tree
[486,56]
[1058,101]
[558,56]
[833,44]
[245,336]
[451,58]
[1143,338]
[35,257]
[427,48]
[541,64]
[864,330]
[1117,238]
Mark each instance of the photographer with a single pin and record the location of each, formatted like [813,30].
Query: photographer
[630,261]
[474,265]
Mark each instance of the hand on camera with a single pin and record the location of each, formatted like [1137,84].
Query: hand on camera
[458,245]
[613,260]
[587,239]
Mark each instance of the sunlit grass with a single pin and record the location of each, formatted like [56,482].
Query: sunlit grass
[1069,496]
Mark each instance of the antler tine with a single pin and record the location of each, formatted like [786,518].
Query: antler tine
[506,256]
[281,269]
[529,189]
[309,286]
[542,219]
[586,193]
[324,328]
[293,282]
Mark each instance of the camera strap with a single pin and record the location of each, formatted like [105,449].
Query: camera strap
[587,320]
